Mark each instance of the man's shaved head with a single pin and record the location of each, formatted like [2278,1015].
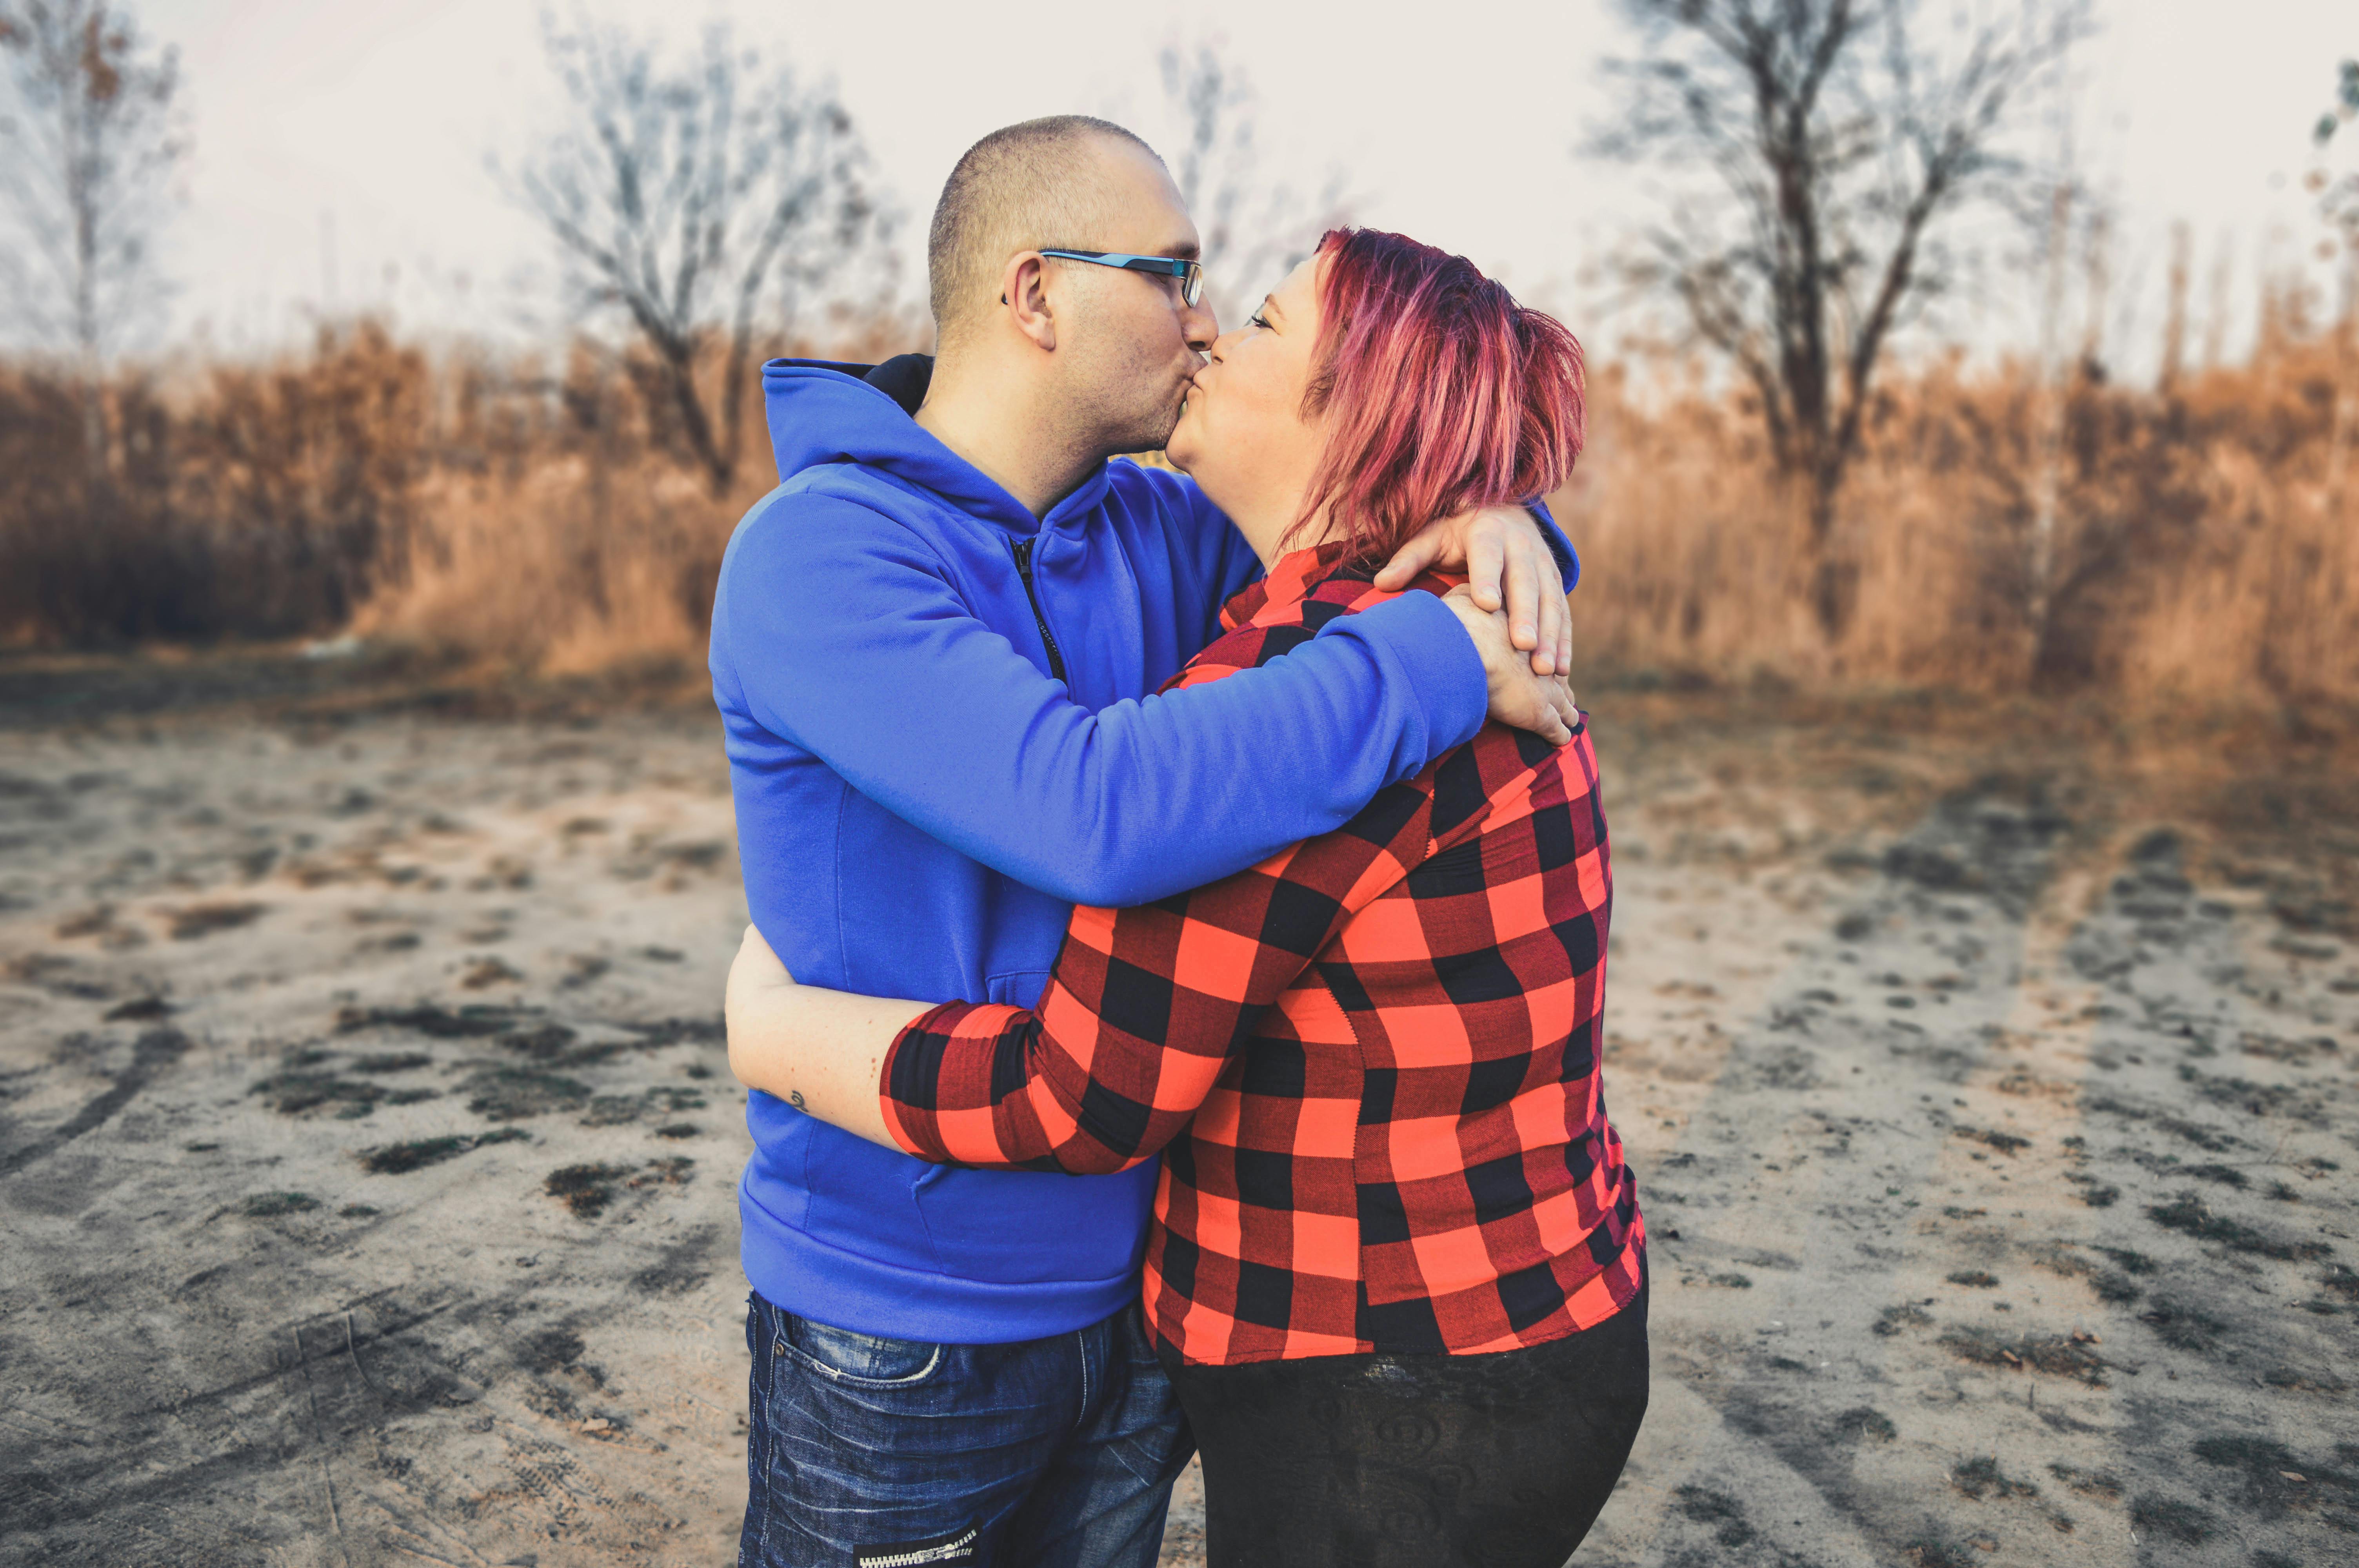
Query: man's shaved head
[1041,185]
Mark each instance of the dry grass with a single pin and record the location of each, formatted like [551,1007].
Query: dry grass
[571,566]
[524,515]
[516,513]
[2203,539]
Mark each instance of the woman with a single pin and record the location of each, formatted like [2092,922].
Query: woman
[1396,1270]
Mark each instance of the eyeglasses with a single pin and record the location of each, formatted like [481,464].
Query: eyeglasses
[1190,273]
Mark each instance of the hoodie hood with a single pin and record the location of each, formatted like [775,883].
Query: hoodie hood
[823,412]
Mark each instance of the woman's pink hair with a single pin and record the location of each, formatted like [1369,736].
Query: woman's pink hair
[1441,392]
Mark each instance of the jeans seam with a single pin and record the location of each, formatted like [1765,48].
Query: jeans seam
[806,1361]
[757,1447]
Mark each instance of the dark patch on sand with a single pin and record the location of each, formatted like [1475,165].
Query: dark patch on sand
[2189,1214]
[550,1350]
[301,1091]
[399,1158]
[2056,1355]
[2169,1518]
[1908,1314]
[2183,1326]
[2088,1482]
[139,1009]
[585,1189]
[403,1062]
[472,1022]
[1981,1478]
[1717,1511]
[684,1265]
[156,1050]
[512,1094]
[204,919]
[270,1206]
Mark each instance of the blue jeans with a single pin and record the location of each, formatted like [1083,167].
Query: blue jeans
[867,1453]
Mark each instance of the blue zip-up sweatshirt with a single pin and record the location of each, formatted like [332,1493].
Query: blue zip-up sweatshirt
[943,732]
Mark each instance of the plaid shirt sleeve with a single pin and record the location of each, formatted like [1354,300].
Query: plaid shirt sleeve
[1144,1010]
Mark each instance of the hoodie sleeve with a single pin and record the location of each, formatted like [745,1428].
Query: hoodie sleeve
[836,628]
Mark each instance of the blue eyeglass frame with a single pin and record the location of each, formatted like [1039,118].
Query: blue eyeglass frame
[1191,274]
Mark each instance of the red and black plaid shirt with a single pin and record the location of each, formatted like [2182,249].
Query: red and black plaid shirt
[1381,1046]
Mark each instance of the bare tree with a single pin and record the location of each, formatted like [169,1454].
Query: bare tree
[2338,199]
[1255,228]
[2346,103]
[91,134]
[2339,206]
[709,201]
[1810,152]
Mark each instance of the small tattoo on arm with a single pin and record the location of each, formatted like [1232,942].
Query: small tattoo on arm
[795,1099]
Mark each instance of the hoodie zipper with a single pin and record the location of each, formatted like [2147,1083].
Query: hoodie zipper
[1023,548]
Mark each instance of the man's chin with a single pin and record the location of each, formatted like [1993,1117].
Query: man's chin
[1149,436]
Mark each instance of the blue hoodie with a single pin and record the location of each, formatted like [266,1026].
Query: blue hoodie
[943,732]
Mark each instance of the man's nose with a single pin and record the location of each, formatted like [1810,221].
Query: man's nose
[1202,326]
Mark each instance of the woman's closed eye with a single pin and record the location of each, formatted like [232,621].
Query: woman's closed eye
[1258,320]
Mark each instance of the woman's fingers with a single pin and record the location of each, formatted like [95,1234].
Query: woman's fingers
[1486,562]
[1523,586]
[1420,552]
[756,963]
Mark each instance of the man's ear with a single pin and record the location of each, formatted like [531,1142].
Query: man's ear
[1024,290]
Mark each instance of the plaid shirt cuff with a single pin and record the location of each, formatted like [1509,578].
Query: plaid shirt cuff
[936,1084]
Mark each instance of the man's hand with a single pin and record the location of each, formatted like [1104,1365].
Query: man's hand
[1540,703]
[1506,562]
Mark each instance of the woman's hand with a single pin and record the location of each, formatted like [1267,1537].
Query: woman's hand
[757,965]
[757,983]
[1506,562]
[821,1051]
[1541,704]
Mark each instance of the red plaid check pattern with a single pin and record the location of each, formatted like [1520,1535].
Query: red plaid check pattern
[1370,1061]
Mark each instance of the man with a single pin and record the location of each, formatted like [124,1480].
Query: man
[936,648]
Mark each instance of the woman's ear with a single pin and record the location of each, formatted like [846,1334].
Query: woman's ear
[1024,291]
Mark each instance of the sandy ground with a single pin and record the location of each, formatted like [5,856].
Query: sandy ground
[367,1144]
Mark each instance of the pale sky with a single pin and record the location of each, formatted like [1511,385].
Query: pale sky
[340,148]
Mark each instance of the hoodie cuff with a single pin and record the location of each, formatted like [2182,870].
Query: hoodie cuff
[1559,545]
[1431,674]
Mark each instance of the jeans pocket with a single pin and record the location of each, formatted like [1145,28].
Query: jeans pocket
[861,1361]
[1148,1431]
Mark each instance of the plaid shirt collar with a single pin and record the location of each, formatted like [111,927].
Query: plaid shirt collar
[1293,577]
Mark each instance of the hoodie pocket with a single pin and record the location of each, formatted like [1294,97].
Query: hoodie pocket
[1019,988]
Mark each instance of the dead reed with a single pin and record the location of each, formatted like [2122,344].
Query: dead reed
[2198,538]
[535,514]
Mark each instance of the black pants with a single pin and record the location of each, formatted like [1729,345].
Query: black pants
[1416,1461]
